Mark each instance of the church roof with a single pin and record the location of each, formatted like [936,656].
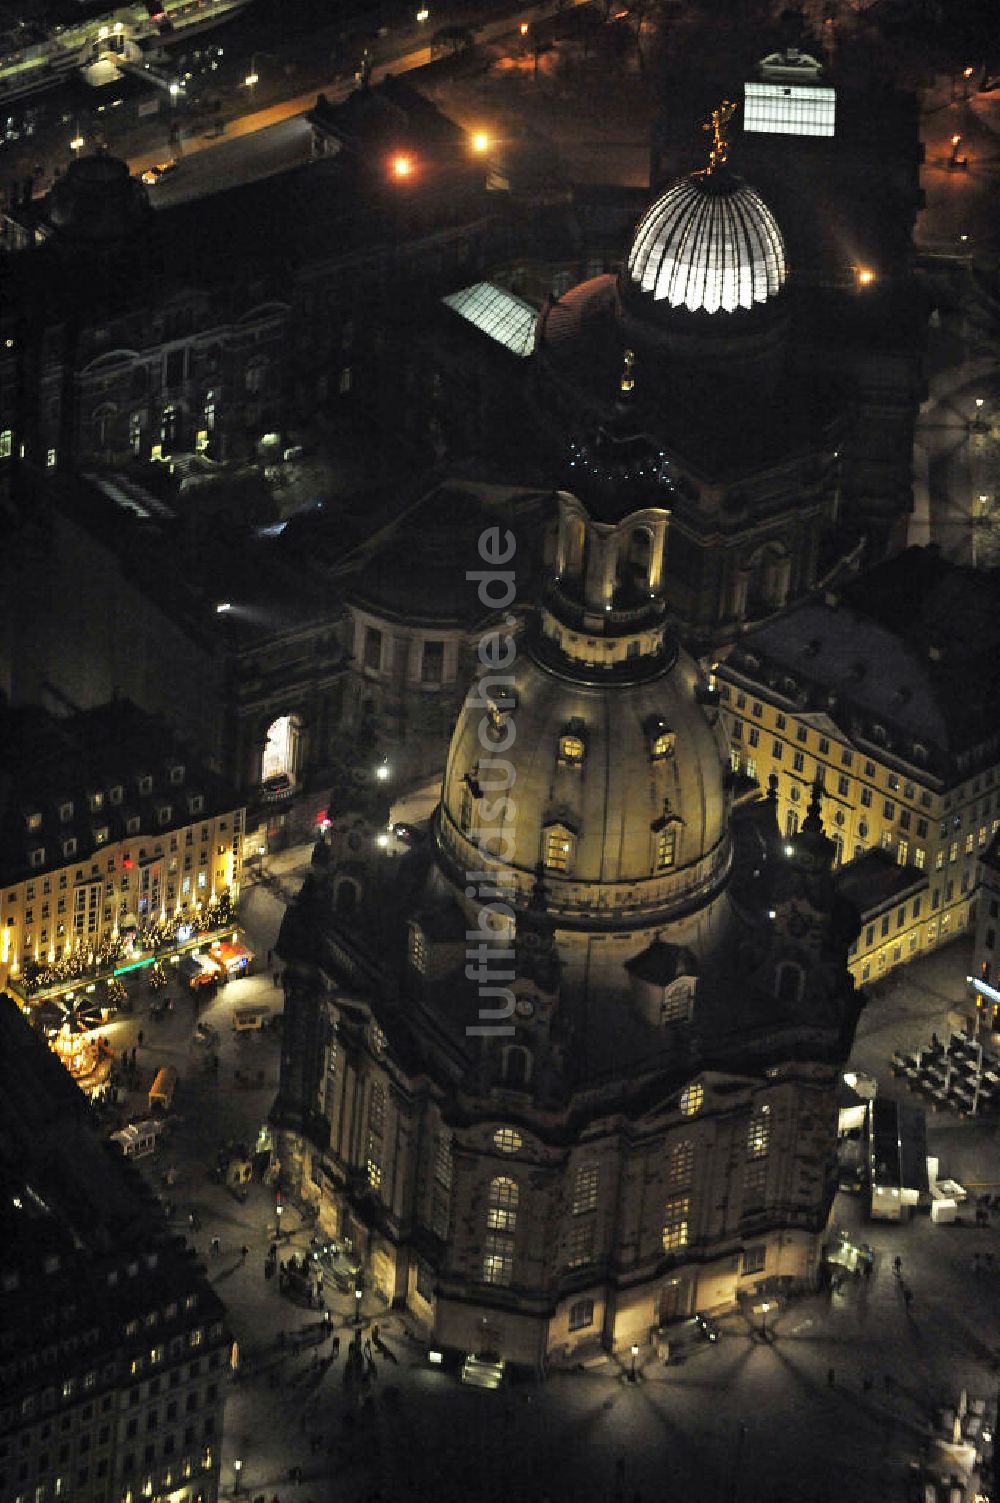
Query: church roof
[708,244]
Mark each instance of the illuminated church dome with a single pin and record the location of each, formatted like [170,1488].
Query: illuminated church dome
[708,244]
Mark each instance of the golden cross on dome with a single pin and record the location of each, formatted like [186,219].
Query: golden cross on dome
[716,123]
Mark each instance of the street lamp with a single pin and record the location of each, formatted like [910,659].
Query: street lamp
[635,1353]
[765,1307]
[237,1469]
[77,142]
[277,1213]
[402,167]
[358,1291]
[382,770]
[423,14]
[481,142]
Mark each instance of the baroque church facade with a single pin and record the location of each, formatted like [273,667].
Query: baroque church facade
[566,1071]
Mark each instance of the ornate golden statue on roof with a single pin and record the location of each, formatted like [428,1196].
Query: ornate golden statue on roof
[716,123]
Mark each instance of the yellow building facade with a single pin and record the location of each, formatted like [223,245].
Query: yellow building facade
[96,846]
[825,696]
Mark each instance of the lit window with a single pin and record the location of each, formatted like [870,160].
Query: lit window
[506,1140]
[498,1260]
[662,745]
[50,459]
[675,1222]
[571,750]
[374,1174]
[754,1183]
[6,443]
[759,1134]
[680,1165]
[501,1215]
[692,1099]
[558,849]
[666,846]
[585,1189]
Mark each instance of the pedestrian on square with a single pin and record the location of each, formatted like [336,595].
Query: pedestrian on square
[269,954]
[976,1265]
[989,1261]
[139,1038]
[277,978]
[243,1253]
[897,1266]
[907,1298]
[831,1377]
[216,1247]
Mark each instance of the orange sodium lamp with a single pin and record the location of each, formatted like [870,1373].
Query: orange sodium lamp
[402,165]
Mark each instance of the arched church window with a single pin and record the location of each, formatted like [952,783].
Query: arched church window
[581,1314]
[516,1066]
[789,982]
[501,1223]
[557,848]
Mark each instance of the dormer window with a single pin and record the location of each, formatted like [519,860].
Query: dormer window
[196,803]
[163,814]
[36,856]
[666,848]
[558,848]
[132,825]
[69,846]
[116,794]
[571,750]
[34,819]
[65,813]
[145,785]
[176,773]
[96,802]
[101,835]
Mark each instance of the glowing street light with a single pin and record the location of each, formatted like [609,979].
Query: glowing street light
[237,1469]
[525,28]
[77,142]
[402,165]
[423,14]
[358,1291]
[382,772]
[864,276]
[635,1353]
[223,606]
[251,79]
[480,142]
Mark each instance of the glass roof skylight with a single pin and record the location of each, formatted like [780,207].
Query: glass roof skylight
[506,318]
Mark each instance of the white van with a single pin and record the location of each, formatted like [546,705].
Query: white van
[161,1092]
[138,1139]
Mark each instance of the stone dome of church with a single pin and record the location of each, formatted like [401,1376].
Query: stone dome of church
[708,244]
[98,202]
[596,754]
[617,790]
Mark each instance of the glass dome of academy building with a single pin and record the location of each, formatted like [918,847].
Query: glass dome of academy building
[689,379]
[659,1001]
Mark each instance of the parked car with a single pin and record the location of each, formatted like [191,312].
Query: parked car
[157,173]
